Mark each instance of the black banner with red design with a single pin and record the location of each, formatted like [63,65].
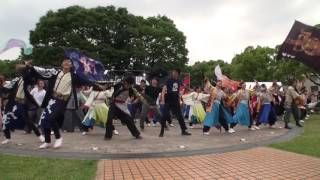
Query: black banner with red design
[302,44]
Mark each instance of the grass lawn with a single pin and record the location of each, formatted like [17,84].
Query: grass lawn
[308,142]
[33,168]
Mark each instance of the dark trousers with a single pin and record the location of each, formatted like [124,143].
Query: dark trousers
[7,133]
[32,119]
[114,112]
[163,110]
[292,110]
[176,110]
[31,124]
[303,113]
[53,118]
[136,108]
[72,119]
[28,121]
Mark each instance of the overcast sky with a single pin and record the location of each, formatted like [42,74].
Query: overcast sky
[215,29]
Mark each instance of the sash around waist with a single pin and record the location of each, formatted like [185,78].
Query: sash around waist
[60,96]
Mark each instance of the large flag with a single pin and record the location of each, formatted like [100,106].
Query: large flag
[85,68]
[226,82]
[302,44]
[13,43]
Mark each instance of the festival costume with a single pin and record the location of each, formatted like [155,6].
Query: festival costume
[242,114]
[267,113]
[278,103]
[73,116]
[119,108]
[61,88]
[16,110]
[195,100]
[98,109]
[290,106]
[216,114]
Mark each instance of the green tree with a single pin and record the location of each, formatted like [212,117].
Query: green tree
[112,35]
[8,68]
[205,69]
[253,64]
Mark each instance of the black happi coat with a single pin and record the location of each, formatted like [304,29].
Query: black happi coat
[51,75]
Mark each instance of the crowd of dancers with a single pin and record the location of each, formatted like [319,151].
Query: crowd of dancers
[44,101]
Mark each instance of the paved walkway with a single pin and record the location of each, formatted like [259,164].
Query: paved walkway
[257,163]
[172,144]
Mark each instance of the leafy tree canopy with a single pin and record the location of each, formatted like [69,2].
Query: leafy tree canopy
[117,38]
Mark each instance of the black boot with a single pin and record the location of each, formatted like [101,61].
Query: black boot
[107,138]
[161,132]
[299,125]
[185,133]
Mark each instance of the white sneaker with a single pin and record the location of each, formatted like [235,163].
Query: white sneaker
[41,138]
[252,129]
[154,125]
[206,133]
[84,133]
[57,143]
[44,146]
[115,132]
[52,133]
[172,125]
[301,121]
[6,141]
[256,127]
[148,124]
[231,130]
[191,127]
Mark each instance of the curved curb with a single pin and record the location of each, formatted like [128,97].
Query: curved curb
[96,156]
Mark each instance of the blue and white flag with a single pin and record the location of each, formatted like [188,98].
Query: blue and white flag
[86,68]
